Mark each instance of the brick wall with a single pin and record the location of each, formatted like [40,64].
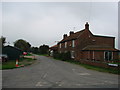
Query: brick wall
[99,64]
[87,38]
[104,41]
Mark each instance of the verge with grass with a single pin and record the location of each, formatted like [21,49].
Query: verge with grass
[29,54]
[11,63]
[100,69]
[43,55]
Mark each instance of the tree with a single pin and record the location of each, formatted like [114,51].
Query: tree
[22,44]
[2,41]
[34,50]
[43,49]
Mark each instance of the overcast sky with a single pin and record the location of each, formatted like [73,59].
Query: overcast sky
[44,23]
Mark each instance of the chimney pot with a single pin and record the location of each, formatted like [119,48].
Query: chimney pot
[87,26]
[65,35]
[71,32]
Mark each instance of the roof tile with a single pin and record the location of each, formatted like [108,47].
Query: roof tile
[72,37]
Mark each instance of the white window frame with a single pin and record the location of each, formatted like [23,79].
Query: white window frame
[65,44]
[112,55]
[72,54]
[60,45]
[73,43]
[108,55]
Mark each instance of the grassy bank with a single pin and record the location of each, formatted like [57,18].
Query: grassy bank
[100,69]
[11,63]
[43,54]
[29,54]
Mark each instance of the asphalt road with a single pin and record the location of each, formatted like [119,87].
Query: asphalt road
[50,73]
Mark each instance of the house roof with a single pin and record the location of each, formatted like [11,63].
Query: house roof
[13,47]
[103,36]
[53,47]
[99,48]
[73,36]
[77,34]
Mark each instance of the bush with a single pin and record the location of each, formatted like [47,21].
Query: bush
[62,56]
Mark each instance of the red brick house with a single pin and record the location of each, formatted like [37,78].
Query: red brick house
[83,45]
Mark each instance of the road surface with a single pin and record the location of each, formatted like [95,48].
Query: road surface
[50,73]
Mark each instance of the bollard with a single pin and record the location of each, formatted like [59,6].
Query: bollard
[17,63]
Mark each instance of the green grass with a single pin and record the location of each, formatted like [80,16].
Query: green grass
[100,69]
[25,58]
[8,65]
[29,54]
[43,54]
[11,63]
[116,63]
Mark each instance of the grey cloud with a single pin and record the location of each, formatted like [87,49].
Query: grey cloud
[45,23]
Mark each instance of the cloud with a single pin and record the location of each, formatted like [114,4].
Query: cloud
[45,23]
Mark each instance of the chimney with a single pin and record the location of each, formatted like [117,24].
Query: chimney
[71,32]
[87,26]
[65,35]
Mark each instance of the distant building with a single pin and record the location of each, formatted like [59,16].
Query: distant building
[83,46]
[13,53]
[53,50]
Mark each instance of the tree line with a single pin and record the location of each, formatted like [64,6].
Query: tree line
[26,46]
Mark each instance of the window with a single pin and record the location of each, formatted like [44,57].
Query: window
[65,51]
[65,44]
[93,40]
[60,45]
[108,55]
[73,43]
[72,54]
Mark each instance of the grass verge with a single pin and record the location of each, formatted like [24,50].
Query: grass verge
[29,54]
[100,69]
[43,54]
[11,63]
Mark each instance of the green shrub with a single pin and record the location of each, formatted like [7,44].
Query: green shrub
[62,56]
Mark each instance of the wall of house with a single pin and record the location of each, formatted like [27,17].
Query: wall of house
[87,38]
[93,55]
[99,64]
[98,56]
[68,48]
[115,55]
[84,39]
[104,41]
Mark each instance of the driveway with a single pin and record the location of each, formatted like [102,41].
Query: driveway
[50,73]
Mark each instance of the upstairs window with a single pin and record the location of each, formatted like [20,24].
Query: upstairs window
[73,43]
[65,44]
